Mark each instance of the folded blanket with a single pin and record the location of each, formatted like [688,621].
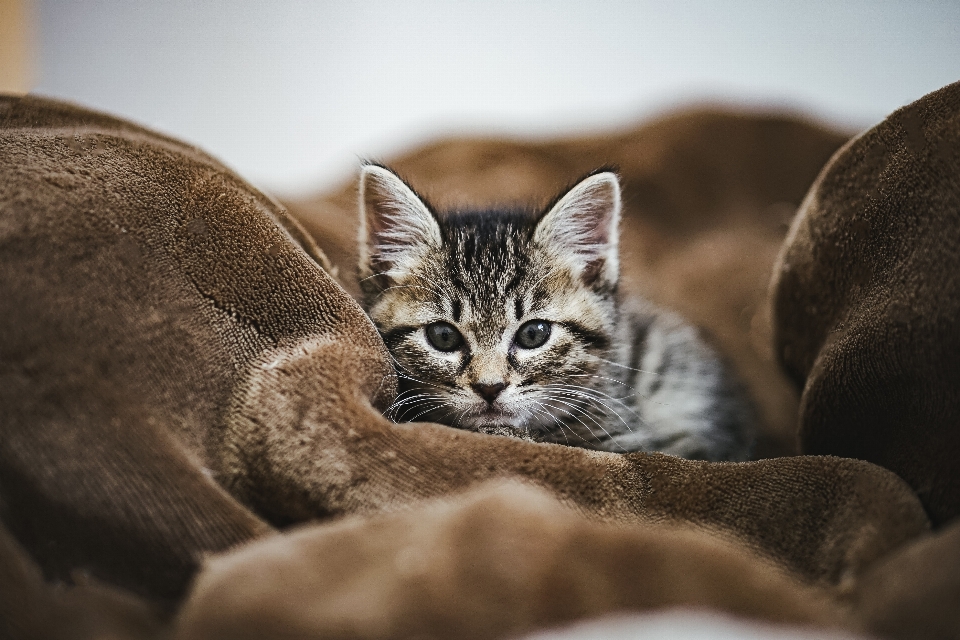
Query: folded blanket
[178,369]
[867,298]
[497,561]
[913,593]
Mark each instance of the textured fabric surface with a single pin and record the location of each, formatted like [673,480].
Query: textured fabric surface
[498,561]
[180,375]
[867,299]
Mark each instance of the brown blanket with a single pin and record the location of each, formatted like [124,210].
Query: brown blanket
[177,370]
[867,299]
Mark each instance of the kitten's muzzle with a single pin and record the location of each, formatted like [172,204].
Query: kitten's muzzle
[488,392]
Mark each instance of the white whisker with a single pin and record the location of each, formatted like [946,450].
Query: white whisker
[577,418]
[592,394]
[623,366]
[540,409]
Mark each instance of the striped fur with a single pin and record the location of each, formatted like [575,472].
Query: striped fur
[611,375]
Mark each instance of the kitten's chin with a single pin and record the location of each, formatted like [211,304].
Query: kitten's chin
[523,433]
[497,423]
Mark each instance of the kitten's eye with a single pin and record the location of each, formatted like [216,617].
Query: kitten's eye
[444,336]
[533,334]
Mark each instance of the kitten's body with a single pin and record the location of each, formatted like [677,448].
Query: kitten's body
[509,322]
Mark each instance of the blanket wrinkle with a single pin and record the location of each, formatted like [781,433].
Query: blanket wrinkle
[866,299]
[180,375]
[771,505]
[31,609]
[441,571]
[913,593]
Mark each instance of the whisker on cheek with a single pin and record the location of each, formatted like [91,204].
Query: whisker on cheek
[587,435]
[582,410]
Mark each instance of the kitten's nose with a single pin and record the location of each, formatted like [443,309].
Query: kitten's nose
[488,392]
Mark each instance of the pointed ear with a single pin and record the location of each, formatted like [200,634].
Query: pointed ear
[395,224]
[582,229]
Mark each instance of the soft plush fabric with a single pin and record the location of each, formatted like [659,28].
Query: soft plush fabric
[32,609]
[867,299]
[913,593]
[179,375]
[497,561]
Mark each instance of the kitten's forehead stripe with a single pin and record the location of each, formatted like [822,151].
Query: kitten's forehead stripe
[487,257]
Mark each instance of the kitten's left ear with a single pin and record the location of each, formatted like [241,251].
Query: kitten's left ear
[582,229]
[396,226]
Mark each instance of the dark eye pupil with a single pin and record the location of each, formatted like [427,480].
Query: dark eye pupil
[444,336]
[533,334]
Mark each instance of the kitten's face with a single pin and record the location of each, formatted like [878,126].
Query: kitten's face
[493,318]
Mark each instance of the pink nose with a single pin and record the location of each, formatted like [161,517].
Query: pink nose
[489,392]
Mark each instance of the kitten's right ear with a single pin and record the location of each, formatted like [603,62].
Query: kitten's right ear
[395,224]
[582,229]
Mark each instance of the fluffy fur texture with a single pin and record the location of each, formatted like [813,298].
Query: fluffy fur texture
[534,341]
[158,324]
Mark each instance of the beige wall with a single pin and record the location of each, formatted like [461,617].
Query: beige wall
[16,46]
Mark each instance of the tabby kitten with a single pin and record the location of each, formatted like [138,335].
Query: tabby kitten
[509,323]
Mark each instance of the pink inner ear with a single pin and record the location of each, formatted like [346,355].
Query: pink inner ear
[597,220]
[584,220]
[582,227]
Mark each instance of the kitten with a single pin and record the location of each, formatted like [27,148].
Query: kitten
[509,323]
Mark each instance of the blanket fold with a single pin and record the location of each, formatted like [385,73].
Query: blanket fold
[499,561]
[867,296]
[180,376]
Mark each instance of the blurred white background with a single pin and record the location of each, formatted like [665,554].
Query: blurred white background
[292,93]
